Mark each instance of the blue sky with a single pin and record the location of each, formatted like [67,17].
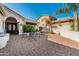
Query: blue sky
[35,10]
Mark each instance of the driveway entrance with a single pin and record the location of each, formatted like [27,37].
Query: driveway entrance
[19,46]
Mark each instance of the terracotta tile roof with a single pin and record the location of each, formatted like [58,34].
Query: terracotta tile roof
[30,21]
[62,21]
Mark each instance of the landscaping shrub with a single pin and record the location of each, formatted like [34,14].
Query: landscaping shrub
[71,26]
[78,25]
[29,28]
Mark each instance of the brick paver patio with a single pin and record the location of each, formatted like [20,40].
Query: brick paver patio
[36,47]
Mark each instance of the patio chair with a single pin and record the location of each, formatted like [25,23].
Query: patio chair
[37,34]
[34,35]
[29,35]
[25,35]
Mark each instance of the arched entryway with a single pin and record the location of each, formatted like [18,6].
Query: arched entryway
[11,25]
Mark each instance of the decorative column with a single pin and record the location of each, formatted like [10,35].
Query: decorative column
[1,26]
[4,29]
[20,28]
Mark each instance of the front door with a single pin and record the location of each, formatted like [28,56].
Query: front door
[12,28]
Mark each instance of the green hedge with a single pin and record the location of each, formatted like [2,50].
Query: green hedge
[29,28]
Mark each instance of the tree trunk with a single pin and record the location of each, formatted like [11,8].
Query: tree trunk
[75,21]
[50,29]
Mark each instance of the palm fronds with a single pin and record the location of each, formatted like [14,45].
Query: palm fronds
[62,10]
[67,8]
[1,10]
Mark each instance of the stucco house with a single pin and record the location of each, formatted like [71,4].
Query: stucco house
[63,24]
[41,22]
[12,22]
[63,28]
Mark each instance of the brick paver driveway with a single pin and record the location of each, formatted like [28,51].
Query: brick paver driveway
[36,47]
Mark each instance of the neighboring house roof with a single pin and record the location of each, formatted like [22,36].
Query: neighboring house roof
[51,17]
[62,21]
[29,21]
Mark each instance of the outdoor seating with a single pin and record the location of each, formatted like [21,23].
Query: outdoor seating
[31,35]
[37,34]
[25,35]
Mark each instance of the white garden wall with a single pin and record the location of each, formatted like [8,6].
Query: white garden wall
[68,34]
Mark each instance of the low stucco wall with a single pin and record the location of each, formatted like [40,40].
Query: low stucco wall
[68,34]
[3,40]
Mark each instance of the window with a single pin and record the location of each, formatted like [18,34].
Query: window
[10,27]
[13,27]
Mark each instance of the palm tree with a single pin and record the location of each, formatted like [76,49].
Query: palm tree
[70,7]
[1,10]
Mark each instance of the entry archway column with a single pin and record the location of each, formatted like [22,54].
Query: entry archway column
[1,26]
[20,28]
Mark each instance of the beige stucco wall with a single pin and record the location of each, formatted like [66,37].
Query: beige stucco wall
[64,26]
[1,24]
[9,13]
[19,19]
[42,21]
